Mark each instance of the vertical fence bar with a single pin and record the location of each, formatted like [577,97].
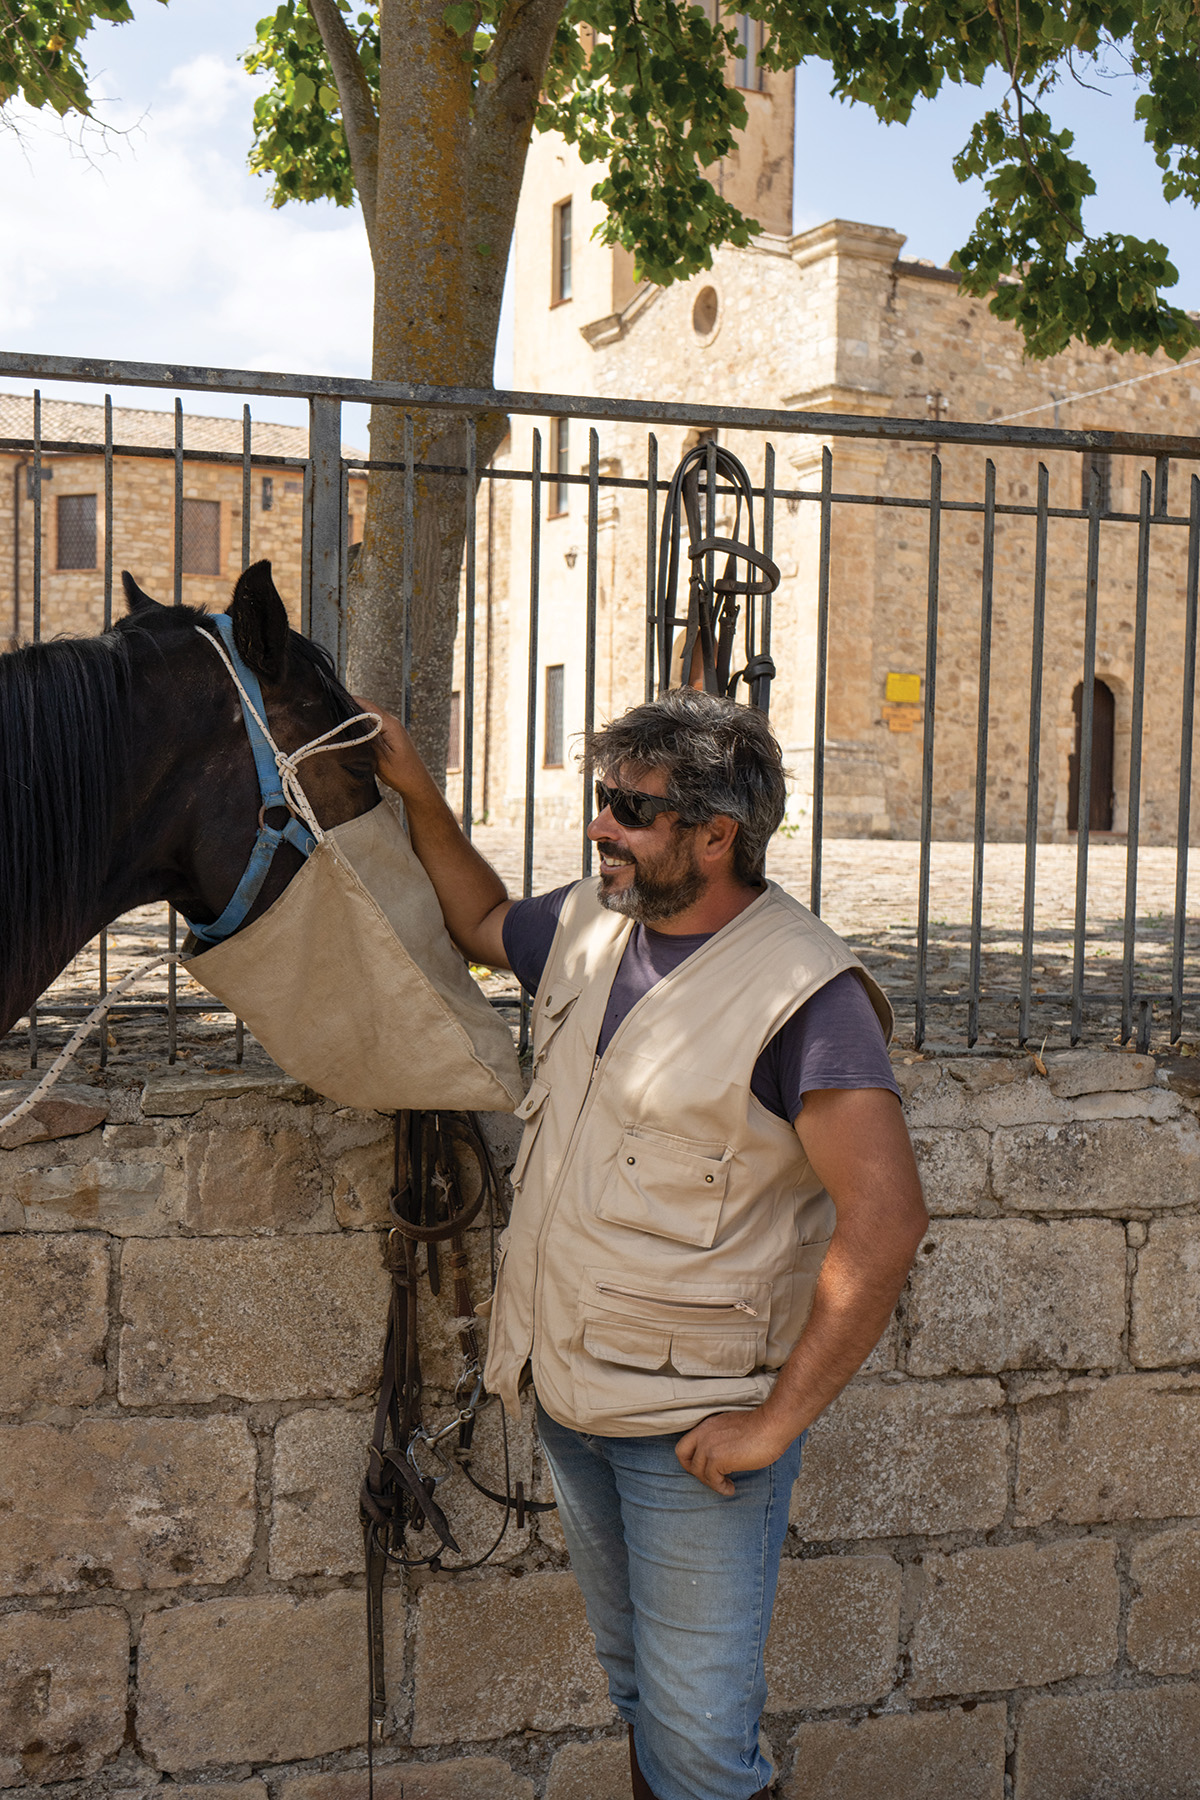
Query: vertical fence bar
[37,516]
[1162,472]
[306,551]
[710,531]
[535,573]
[931,628]
[651,556]
[37,620]
[410,525]
[1087,717]
[1135,760]
[1037,652]
[108,611]
[589,671]
[818,772]
[1185,765]
[760,693]
[177,563]
[468,688]
[247,484]
[981,749]
[108,511]
[177,590]
[325,528]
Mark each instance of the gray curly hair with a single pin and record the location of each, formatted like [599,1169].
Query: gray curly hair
[717,756]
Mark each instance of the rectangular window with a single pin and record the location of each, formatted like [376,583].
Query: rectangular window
[560,286]
[76,531]
[747,73]
[454,736]
[553,757]
[202,537]
[1097,480]
[268,492]
[560,492]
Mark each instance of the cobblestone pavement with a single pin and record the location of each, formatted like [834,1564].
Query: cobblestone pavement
[869,896]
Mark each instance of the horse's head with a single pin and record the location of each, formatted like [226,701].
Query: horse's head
[204,794]
[126,774]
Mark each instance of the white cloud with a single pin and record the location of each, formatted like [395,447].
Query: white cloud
[159,244]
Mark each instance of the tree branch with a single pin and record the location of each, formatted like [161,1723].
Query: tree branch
[359,117]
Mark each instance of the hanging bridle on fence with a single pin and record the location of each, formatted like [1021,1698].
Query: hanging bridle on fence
[449,1179]
[710,623]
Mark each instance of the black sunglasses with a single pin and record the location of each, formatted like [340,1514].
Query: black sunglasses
[635,811]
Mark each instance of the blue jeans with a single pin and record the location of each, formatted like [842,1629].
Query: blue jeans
[679,1583]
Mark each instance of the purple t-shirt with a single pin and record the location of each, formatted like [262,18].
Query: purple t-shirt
[833,1041]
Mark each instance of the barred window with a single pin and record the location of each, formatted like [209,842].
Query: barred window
[553,757]
[202,537]
[76,531]
[560,281]
[560,493]
[747,73]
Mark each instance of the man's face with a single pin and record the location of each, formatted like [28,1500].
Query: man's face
[650,874]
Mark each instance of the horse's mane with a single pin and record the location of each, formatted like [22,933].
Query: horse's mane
[64,766]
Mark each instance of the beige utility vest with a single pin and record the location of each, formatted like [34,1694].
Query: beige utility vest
[667,1229]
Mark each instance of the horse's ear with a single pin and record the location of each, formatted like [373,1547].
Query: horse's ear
[260,622]
[135,599]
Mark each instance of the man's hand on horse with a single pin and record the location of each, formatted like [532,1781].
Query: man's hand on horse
[396,759]
[725,1443]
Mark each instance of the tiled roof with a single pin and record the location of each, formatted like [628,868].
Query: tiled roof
[75,421]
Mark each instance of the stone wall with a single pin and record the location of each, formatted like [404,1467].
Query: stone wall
[990,1589]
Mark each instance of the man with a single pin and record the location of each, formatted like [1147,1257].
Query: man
[715,1207]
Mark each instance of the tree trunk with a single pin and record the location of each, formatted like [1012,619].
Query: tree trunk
[450,162]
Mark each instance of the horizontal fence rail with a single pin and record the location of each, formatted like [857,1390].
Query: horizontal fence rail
[1000,872]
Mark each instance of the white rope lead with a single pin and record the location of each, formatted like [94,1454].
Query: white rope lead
[287,762]
[89,1024]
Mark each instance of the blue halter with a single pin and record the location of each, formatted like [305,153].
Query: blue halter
[269,839]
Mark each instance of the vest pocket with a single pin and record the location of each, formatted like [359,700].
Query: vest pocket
[686,1328]
[551,1011]
[531,1111]
[659,1185]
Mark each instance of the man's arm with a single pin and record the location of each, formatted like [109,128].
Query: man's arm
[472,896]
[858,1145]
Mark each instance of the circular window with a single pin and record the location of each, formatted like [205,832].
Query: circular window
[704,312]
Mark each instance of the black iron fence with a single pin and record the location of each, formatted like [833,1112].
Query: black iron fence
[972,621]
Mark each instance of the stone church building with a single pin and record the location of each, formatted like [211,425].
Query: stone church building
[832,319]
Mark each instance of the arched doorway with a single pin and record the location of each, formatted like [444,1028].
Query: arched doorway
[1104,718]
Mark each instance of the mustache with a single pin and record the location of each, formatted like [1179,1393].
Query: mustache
[607,848]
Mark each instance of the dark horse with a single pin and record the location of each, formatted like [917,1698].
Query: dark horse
[126,774]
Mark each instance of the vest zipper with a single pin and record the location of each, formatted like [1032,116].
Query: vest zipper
[628,1293]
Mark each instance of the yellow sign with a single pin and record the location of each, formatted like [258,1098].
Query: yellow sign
[906,689]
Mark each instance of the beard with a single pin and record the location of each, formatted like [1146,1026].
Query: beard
[660,889]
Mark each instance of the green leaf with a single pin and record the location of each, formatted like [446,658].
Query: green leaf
[460,17]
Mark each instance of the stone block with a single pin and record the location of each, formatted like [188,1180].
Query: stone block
[54,1320]
[902,1756]
[1124,1448]
[66,1111]
[320,1460]
[125,1503]
[954,1168]
[253,1180]
[1164,1616]
[834,1632]
[889,1459]
[462,1778]
[1015,1617]
[216,1790]
[286,1318]
[356,1150]
[129,1199]
[63,1683]
[1166,1295]
[1014,1294]
[503,1655]
[1134,1745]
[263,1680]
[1073,1072]
[1105,1165]
[596,1771]
[174,1093]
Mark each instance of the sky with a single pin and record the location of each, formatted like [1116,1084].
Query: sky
[154,241]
